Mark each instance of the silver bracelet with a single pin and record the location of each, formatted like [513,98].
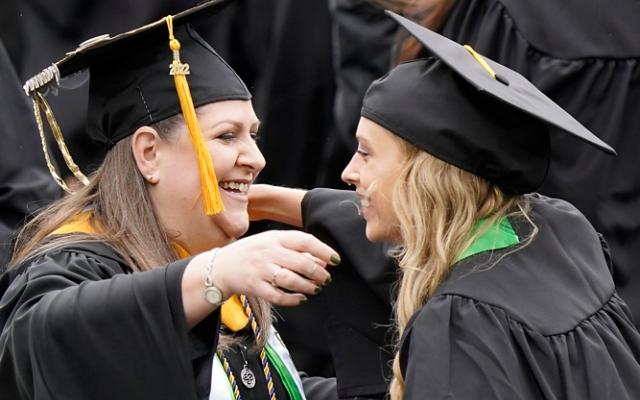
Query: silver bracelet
[211,294]
[209,267]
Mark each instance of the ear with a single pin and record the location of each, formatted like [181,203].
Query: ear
[145,145]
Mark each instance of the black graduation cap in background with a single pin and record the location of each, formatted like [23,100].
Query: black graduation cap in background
[471,112]
[139,78]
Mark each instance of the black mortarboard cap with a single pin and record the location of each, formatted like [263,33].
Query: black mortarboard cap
[471,112]
[131,85]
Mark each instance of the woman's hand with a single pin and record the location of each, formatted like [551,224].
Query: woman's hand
[276,203]
[281,267]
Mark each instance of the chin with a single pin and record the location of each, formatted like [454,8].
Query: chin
[385,233]
[373,233]
[233,225]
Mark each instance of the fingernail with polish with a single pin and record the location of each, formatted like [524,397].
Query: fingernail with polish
[335,259]
[317,290]
[328,281]
[304,300]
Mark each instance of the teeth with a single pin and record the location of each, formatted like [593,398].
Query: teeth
[241,186]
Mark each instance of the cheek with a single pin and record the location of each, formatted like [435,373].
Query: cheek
[223,157]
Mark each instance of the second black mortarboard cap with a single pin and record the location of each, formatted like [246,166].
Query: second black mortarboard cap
[471,112]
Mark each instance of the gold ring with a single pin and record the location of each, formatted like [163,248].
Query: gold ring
[275,276]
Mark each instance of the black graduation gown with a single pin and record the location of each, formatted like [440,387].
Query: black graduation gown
[544,322]
[77,324]
[357,304]
[586,57]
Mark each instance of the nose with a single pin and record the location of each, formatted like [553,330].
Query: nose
[350,174]
[251,157]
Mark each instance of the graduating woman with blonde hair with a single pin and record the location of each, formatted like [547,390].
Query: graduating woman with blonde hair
[504,293]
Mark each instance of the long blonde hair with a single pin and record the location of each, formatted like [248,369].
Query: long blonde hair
[120,205]
[437,206]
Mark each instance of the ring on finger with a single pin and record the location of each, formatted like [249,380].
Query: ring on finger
[274,277]
[313,268]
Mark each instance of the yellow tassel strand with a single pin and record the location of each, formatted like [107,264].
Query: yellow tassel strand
[480,60]
[209,183]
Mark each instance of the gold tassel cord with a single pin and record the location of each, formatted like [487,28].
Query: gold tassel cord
[480,60]
[57,134]
[45,148]
[209,183]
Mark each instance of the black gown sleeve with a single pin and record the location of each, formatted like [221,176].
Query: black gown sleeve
[75,326]
[319,388]
[358,301]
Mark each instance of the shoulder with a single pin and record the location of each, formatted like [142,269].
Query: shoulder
[552,282]
[87,259]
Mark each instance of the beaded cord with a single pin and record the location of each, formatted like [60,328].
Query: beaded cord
[257,332]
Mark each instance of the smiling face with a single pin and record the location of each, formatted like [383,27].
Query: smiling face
[229,129]
[374,170]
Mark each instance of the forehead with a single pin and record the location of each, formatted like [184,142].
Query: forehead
[373,133]
[240,111]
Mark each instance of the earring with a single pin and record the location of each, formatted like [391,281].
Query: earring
[149,178]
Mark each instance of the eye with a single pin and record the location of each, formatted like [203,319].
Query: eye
[255,136]
[227,136]
[362,152]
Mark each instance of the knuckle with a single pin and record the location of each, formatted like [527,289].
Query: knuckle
[307,240]
[285,278]
[278,297]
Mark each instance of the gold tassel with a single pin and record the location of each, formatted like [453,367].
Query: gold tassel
[45,148]
[41,102]
[208,181]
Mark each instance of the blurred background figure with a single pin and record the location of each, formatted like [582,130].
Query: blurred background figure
[362,41]
[25,183]
[282,49]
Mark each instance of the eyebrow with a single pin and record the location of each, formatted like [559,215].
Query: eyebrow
[361,138]
[237,124]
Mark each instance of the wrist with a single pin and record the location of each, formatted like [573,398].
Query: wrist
[213,293]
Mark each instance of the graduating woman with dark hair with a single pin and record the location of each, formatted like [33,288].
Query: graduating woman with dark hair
[117,290]
[504,293]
